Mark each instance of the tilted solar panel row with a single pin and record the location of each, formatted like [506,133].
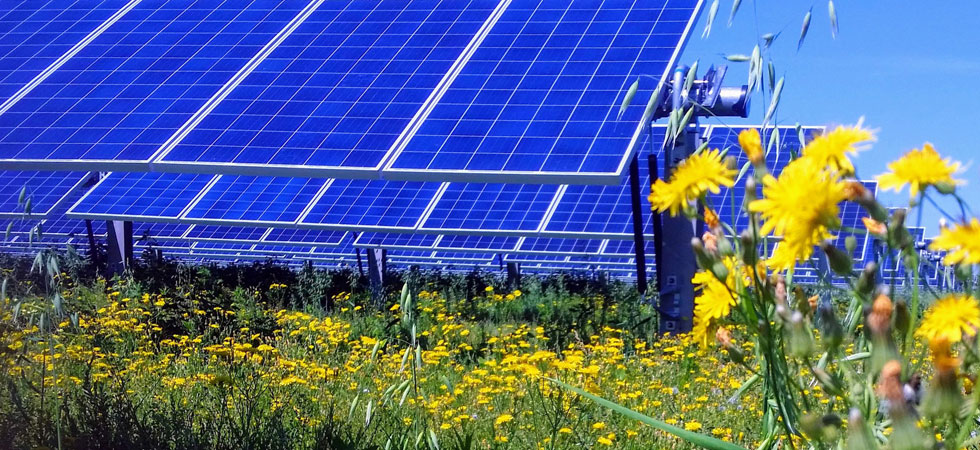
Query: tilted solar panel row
[476,90]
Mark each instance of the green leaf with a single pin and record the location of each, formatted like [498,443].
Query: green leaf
[27,206]
[776,93]
[712,12]
[738,57]
[629,98]
[833,18]
[805,28]
[367,415]
[772,76]
[731,17]
[652,105]
[692,73]
[22,196]
[697,439]
[10,228]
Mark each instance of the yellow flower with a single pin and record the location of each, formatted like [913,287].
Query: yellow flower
[962,241]
[565,430]
[831,149]
[801,206]
[692,426]
[605,441]
[695,176]
[950,318]
[920,169]
[751,144]
[599,426]
[395,307]
[874,226]
[502,419]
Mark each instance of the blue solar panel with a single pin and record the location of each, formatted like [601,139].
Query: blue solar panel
[396,240]
[371,204]
[152,232]
[304,237]
[285,250]
[542,92]
[339,91]
[228,246]
[491,208]
[477,243]
[560,246]
[35,34]
[255,199]
[123,95]
[158,196]
[601,211]
[218,233]
[45,190]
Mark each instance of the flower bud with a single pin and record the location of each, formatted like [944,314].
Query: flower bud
[704,260]
[945,187]
[850,244]
[750,255]
[866,282]
[880,317]
[725,246]
[720,271]
[840,262]
[943,397]
[902,319]
[800,340]
[750,191]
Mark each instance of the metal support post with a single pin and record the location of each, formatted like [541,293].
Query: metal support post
[120,237]
[640,251]
[375,274]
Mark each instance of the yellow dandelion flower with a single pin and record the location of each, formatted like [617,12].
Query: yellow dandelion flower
[801,206]
[920,169]
[962,242]
[751,143]
[599,426]
[950,318]
[692,426]
[701,173]
[502,419]
[831,149]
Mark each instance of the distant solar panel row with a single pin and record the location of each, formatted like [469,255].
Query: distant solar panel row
[442,90]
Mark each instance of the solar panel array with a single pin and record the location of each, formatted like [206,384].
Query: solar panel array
[450,133]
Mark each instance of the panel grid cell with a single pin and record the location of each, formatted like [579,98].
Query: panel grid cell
[316,238]
[45,191]
[560,246]
[341,89]
[541,93]
[371,204]
[396,240]
[34,34]
[220,233]
[491,208]
[125,93]
[255,199]
[132,195]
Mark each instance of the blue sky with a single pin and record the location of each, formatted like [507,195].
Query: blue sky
[910,68]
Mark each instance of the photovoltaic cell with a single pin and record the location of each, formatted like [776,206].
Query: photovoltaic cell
[242,198]
[339,91]
[542,92]
[45,190]
[491,208]
[599,211]
[141,195]
[130,89]
[371,204]
[395,240]
[222,233]
[151,232]
[295,236]
[34,34]
[477,243]
[560,246]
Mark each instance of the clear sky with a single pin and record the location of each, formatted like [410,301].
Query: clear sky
[910,68]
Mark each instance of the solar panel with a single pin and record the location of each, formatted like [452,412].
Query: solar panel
[477,243]
[152,232]
[316,238]
[36,34]
[122,96]
[46,191]
[371,205]
[337,94]
[488,209]
[141,196]
[218,233]
[560,246]
[539,99]
[396,240]
[254,200]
